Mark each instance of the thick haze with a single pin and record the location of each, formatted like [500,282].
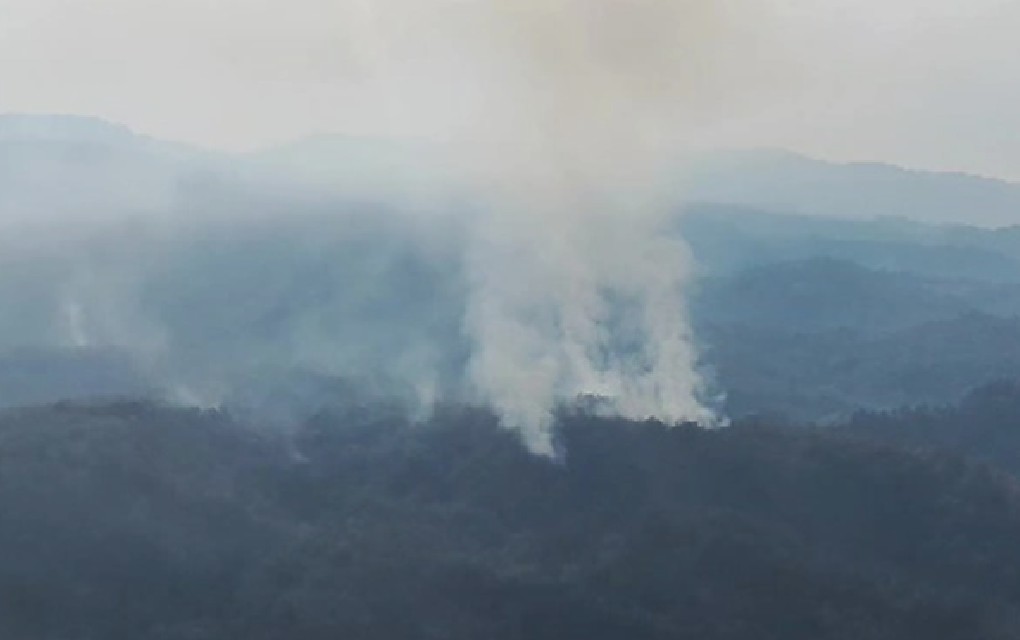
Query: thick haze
[930,84]
[560,122]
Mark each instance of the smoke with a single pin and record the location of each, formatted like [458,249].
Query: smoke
[565,116]
[559,122]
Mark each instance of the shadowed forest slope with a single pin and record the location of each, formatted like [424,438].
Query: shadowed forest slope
[128,520]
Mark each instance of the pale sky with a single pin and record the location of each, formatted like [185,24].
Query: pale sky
[924,83]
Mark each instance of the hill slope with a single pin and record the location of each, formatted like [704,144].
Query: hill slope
[131,521]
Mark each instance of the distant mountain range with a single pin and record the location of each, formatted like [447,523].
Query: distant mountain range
[57,167]
[792,183]
[58,163]
[728,238]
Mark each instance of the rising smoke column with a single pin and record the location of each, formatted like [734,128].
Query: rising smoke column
[563,116]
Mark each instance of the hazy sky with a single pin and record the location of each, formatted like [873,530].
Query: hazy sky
[926,83]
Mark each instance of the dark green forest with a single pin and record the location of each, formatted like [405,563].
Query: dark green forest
[133,520]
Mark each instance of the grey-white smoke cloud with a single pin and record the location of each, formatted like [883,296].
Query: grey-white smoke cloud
[564,116]
[559,123]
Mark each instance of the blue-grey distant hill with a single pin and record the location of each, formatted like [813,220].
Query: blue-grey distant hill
[100,164]
[788,182]
[69,167]
[726,238]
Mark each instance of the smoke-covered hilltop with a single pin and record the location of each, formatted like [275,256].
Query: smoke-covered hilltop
[523,299]
[266,287]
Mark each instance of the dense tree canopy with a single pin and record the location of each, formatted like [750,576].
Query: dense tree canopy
[129,520]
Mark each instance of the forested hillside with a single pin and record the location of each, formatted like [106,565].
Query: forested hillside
[799,317]
[128,520]
[813,319]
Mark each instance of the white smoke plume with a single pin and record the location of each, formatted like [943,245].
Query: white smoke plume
[557,122]
[564,116]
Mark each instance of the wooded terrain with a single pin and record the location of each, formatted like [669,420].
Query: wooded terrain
[128,520]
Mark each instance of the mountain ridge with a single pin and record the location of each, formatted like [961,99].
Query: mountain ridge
[769,179]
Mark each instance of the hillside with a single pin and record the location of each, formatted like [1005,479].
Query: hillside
[217,314]
[131,521]
[783,181]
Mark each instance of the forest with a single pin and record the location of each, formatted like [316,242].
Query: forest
[133,520]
